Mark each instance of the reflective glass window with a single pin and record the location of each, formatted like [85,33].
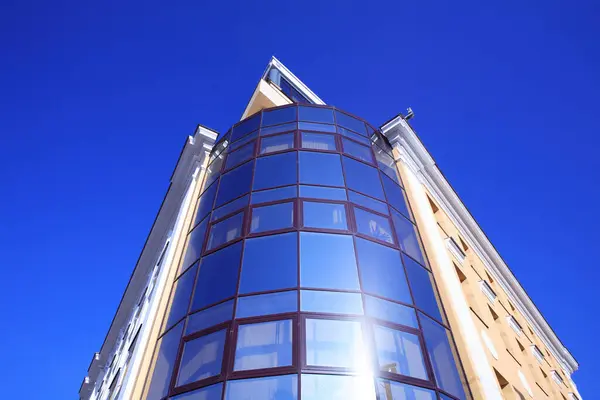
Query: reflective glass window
[282,387]
[229,208]
[373,225]
[327,261]
[423,290]
[362,178]
[241,142]
[354,136]
[272,217]
[310,126]
[338,387]
[324,215]
[168,346]
[213,392]
[399,352]
[317,141]
[245,127]
[218,275]
[239,156]
[267,304]
[205,203]
[334,343]
[395,196]
[282,193]
[441,355]
[235,183]
[319,192]
[321,169]
[193,249]
[357,150]
[181,297]
[279,116]
[381,271]
[390,390]
[386,164]
[270,263]
[278,129]
[408,240]
[389,311]
[368,202]
[210,317]
[225,231]
[213,169]
[271,144]
[315,114]
[263,345]
[351,123]
[331,302]
[201,358]
[276,170]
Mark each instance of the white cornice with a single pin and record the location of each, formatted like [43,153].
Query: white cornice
[417,158]
[293,79]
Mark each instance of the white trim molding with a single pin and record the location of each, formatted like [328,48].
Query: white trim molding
[455,250]
[514,324]
[488,291]
[537,353]
[413,153]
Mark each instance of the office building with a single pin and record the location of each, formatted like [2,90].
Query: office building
[308,254]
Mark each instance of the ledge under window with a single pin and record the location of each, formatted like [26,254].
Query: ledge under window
[539,356]
[488,291]
[514,325]
[455,249]
[557,378]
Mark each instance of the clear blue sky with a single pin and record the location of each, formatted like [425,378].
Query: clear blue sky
[96,100]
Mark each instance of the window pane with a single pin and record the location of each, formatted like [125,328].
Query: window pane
[351,123]
[210,317]
[315,114]
[229,208]
[225,231]
[386,164]
[321,169]
[278,270]
[331,302]
[393,312]
[218,275]
[274,194]
[279,116]
[390,390]
[421,283]
[278,128]
[358,151]
[381,271]
[309,126]
[395,196]
[324,215]
[318,192]
[277,170]
[283,387]
[399,352]
[353,136]
[201,358]
[264,345]
[239,156]
[181,297]
[362,178]
[271,144]
[373,225]
[406,233]
[334,343]
[213,392]
[318,141]
[212,172]
[247,126]
[269,218]
[368,202]
[327,261]
[168,346]
[442,357]
[241,142]
[338,387]
[193,250]
[235,183]
[205,204]
[267,304]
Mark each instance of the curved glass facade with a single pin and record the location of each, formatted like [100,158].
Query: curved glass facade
[303,275]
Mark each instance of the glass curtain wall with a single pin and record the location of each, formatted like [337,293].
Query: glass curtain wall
[304,276]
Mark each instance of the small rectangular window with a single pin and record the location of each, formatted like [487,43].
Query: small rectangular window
[272,217]
[210,317]
[264,345]
[324,215]
[373,225]
[225,231]
[272,144]
[281,387]
[201,358]
[267,304]
[368,202]
[319,192]
[351,123]
[318,141]
[330,302]
[334,343]
[311,126]
[278,129]
[315,114]
[239,156]
[399,352]
[357,150]
[265,196]
[279,116]
[229,208]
